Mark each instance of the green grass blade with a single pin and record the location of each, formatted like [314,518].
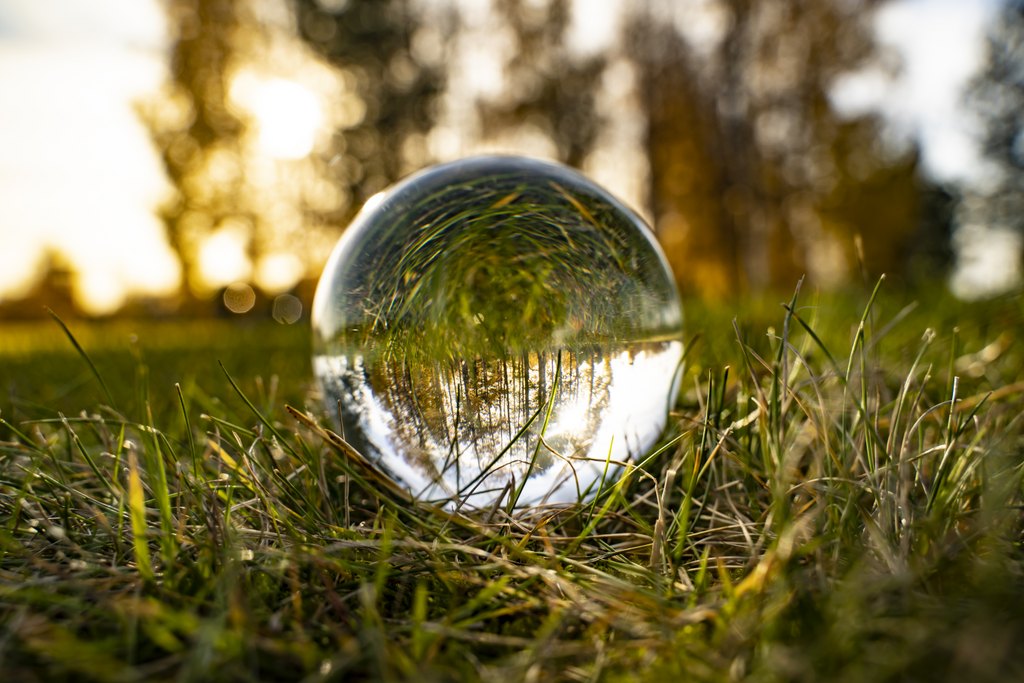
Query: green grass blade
[85,356]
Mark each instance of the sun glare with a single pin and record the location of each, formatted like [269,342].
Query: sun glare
[222,257]
[101,293]
[279,272]
[287,115]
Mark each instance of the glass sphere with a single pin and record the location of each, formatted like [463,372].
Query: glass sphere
[497,330]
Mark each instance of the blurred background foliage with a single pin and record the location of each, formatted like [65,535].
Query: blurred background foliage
[714,118]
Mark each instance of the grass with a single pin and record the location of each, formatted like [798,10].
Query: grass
[838,497]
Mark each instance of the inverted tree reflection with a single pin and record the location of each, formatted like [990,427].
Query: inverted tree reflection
[558,419]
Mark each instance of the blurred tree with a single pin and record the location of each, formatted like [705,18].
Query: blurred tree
[691,189]
[192,123]
[716,112]
[383,48]
[755,178]
[545,85]
[998,98]
[244,127]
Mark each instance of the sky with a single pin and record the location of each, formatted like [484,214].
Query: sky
[79,173]
[941,45]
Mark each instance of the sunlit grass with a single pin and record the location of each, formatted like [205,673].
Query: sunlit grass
[838,497]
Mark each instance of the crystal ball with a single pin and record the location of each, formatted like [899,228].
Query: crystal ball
[498,331]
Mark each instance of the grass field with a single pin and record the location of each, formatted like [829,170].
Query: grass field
[838,497]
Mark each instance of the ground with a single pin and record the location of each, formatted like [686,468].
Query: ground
[838,497]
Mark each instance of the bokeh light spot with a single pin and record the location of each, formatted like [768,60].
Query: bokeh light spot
[287,309]
[239,298]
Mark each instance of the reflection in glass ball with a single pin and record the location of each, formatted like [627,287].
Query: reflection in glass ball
[498,329]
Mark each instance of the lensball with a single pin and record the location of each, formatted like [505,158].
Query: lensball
[498,330]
